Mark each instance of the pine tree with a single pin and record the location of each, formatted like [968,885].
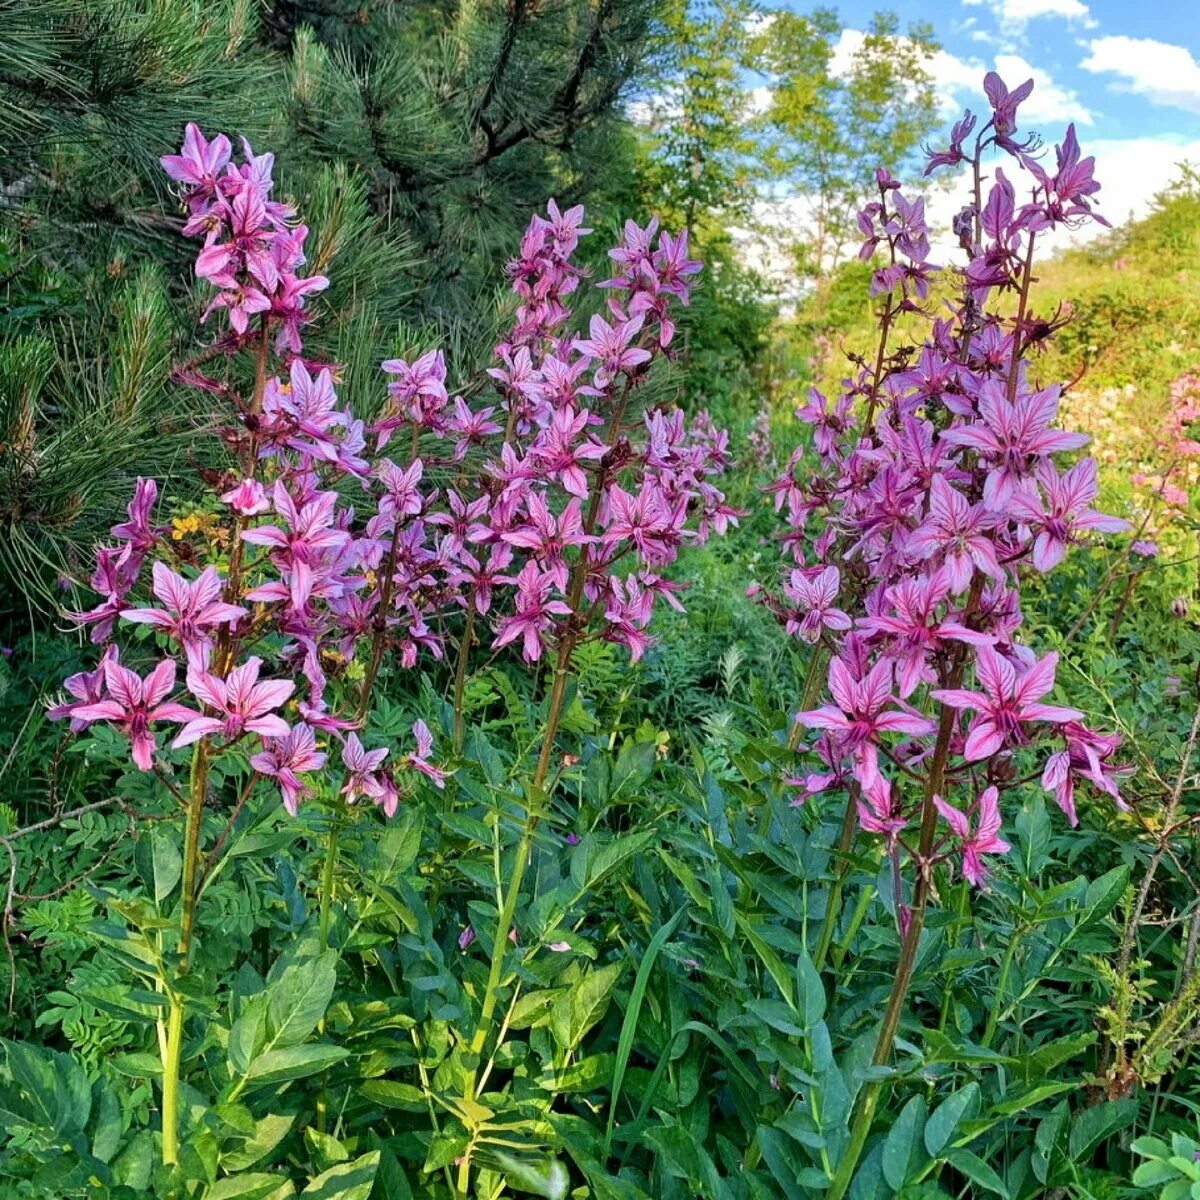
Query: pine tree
[465,117]
[96,293]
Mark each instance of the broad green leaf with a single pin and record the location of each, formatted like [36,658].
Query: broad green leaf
[547,1178]
[346,1181]
[165,863]
[1151,1174]
[978,1171]
[580,1008]
[811,991]
[297,1000]
[248,1036]
[391,1093]
[944,1119]
[903,1146]
[269,1131]
[444,1148]
[397,847]
[1104,894]
[1033,832]
[1092,1124]
[277,1066]
[325,1149]
[770,959]
[254,1186]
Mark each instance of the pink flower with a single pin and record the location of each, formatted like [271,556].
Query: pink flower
[137,531]
[985,839]
[361,769]
[245,704]
[1004,103]
[200,161]
[248,499]
[915,628]
[548,537]
[862,714]
[1010,435]
[1065,512]
[815,598]
[134,704]
[879,811]
[419,760]
[283,760]
[191,608]
[560,453]
[1086,756]
[87,687]
[1007,701]
[535,612]
[613,347]
[402,494]
[959,534]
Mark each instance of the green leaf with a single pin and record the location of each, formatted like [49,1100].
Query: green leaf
[247,1036]
[295,1062]
[1151,1174]
[903,1142]
[325,1149]
[583,1006]
[444,1148]
[1104,894]
[1033,832]
[397,847]
[944,1119]
[269,1131]
[548,1178]
[770,959]
[346,1181]
[254,1186]
[166,864]
[1092,1124]
[297,1000]
[976,1170]
[811,991]
[391,1093]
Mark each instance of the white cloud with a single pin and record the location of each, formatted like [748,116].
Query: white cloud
[1014,15]
[1163,73]
[958,83]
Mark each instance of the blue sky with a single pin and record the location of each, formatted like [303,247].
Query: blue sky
[1127,72]
[1120,68]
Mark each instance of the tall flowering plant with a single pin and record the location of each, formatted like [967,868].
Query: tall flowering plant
[584,503]
[926,493]
[326,554]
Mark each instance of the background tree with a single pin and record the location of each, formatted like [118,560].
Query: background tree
[834,117]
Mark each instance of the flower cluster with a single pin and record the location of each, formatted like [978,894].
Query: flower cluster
[557,509]
[252,247]
[589,499]
[926,490]
[295,572]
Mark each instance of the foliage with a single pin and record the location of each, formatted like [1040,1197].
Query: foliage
[609,956]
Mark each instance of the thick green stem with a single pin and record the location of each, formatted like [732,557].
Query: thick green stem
[869,1095]
[173,1056]
[504,924]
